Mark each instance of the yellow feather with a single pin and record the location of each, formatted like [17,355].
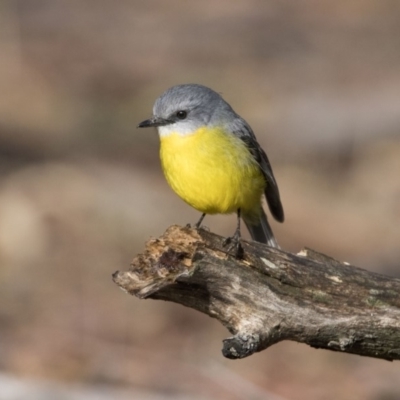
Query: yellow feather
[213,171]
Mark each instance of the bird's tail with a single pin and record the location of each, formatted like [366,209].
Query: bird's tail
[260,230]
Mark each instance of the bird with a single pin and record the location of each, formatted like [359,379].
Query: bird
[211,158]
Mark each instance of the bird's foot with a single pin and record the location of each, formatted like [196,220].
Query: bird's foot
[233,244]
[203,227]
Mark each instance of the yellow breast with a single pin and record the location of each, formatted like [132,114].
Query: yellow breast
[212,171]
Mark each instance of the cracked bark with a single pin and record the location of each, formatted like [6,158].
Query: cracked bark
[270,295]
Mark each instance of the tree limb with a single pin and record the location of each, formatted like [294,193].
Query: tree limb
[270,295]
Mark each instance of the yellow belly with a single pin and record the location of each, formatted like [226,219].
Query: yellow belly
[213,172]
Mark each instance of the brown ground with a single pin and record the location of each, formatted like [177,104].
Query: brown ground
[81,189]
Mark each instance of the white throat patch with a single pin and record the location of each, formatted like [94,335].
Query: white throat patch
[182,129]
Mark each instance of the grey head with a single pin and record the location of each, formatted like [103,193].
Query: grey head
[185,108]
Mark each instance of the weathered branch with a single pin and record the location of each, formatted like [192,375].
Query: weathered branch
[270,295]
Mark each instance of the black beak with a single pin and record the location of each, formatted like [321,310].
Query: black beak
[153,122]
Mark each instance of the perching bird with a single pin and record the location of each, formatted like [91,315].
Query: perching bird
[212,160]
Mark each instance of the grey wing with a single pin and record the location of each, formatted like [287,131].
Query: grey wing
[244,132]
[271,190]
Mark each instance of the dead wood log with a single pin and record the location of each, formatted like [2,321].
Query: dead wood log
[270,295]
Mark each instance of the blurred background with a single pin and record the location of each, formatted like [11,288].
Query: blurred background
[81,189]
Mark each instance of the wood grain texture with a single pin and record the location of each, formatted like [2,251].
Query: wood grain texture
[270,295]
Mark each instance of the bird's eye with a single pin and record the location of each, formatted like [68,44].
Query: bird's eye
[181,114]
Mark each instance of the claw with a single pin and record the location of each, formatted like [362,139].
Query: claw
[233,244]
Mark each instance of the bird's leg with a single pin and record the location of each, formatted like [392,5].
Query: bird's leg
[234,241]
[197,225]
